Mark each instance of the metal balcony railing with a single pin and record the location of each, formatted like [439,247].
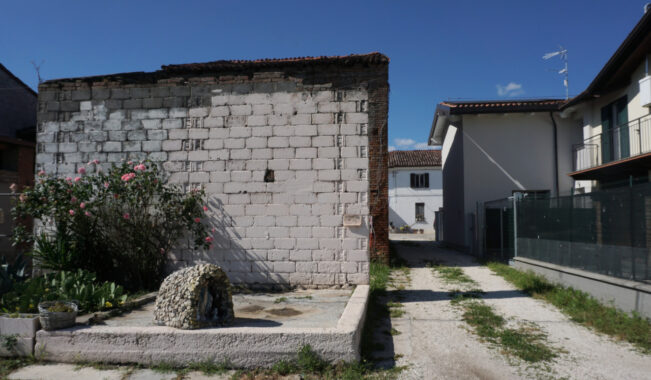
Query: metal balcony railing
[627,140]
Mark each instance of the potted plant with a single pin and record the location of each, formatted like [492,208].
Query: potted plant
[56,315]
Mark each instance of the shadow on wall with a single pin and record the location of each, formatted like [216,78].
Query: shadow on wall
[396,219]
[242,265]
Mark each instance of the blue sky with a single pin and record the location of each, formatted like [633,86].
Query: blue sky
[438,50]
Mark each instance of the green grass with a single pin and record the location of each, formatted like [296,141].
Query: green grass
[457,295]
[581,307]
[8,366]
[527,343]
[310,366]
[452,275]
[280,299]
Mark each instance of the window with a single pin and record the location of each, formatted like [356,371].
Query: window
[420,212]
[419,181]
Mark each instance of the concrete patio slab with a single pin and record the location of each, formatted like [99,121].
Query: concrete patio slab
[64,372]
[268,328]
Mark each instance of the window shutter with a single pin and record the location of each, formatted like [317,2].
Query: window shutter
[412,182]
[426,180]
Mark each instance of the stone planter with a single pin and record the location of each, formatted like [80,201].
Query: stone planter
[23,328]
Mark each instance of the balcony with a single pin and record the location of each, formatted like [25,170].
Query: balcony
[624,143]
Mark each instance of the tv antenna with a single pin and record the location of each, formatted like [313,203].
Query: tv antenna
[562,53]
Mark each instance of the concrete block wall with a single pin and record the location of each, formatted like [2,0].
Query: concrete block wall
[230,134]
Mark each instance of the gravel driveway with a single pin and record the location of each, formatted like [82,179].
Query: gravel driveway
[435,343]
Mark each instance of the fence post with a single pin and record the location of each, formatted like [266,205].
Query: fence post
[515,224]
[632,223]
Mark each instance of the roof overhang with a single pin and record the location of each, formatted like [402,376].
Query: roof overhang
[439,126]
[633,166]
[616,73]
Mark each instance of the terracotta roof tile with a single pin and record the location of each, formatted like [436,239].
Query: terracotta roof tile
[414,158]
[370,58]
[237,65]
[499,106]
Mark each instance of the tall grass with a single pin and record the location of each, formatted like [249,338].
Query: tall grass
[581,307]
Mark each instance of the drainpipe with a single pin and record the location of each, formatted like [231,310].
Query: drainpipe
[551,116]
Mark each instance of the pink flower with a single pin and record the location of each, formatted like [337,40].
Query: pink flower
[128,177]
[197,220]
[130,162]
[82,205]
[162,251]
[205,208]
[96,161]
[209,239]
[140,167]
[73,200]
[81,170]
[126,215]
[13,187]
[68,179]
[213,229]
[41,173]
[87,213]
[106,185]
[71,212]
[22,197]
[77,179]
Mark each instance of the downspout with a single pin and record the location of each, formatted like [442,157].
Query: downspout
[556,186]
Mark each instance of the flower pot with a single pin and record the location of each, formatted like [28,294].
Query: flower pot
[17,334]
[54,320]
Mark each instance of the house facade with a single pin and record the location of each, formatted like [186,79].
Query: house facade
[615,118]
[17,147]
[292,154]
[491,149]
[415,188]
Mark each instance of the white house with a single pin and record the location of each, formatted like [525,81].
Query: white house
[415,188]
[493,148]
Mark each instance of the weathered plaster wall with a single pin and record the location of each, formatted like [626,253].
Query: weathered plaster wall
[322,133]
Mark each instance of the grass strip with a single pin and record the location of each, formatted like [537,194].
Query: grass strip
[527,343]
[581,307]
[452,275]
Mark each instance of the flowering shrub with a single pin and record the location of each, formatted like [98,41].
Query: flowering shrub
[120,224]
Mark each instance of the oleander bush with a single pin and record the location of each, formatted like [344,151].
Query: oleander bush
[119,224]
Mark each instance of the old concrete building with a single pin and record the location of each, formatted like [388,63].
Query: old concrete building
[291,152]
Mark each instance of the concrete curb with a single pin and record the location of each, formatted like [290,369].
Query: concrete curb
[242,347]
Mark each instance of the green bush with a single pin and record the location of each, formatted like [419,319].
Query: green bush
[80,286]
[119,224]
[10,273]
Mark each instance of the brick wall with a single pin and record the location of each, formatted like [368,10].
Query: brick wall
[321,128]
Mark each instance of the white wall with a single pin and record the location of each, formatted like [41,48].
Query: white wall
[517,153]
[403,199]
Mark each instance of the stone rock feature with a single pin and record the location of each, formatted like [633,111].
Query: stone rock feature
[195,297]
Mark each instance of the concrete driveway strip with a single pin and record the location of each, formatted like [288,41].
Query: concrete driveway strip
[436,343]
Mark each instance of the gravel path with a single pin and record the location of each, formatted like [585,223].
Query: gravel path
[435,343]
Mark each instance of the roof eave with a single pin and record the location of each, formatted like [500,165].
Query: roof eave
[439,126]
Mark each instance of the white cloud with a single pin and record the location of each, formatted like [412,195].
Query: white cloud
[404,142]
[422,146]
[510,90]
[408,144]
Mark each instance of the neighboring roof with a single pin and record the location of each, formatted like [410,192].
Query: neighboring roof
[414,158]
[501,106]
[20,82]
[617,71]
[369,59]
[445,109]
